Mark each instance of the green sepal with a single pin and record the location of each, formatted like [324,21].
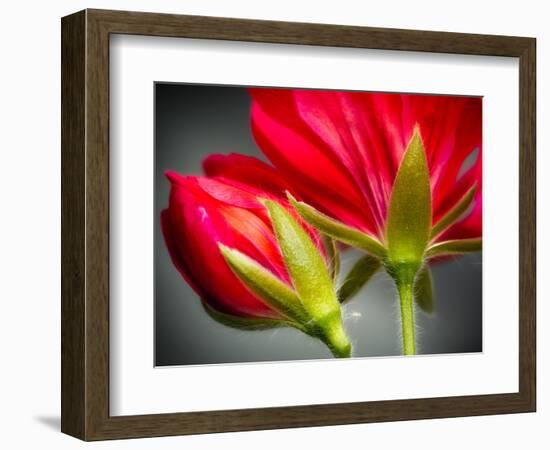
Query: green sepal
[310,277]
[454,214]
[361,272]
[423,289]
[333,255]
[265,285]
[454,247]
[410,210]
[337,230]
[306,266]
[245,323]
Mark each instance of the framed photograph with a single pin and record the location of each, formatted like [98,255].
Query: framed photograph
[271,224]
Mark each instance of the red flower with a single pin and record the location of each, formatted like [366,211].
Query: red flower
[204,212]
[340,151]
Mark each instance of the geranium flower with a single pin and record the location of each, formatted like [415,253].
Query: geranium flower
[389,173]
[231,240]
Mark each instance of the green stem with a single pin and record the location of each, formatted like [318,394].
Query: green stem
[407,316]
[334,336]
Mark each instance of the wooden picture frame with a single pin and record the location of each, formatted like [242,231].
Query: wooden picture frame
[85,224]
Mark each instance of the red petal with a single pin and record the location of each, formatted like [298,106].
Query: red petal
[471,225]
[192,227]
[177,259]
[449,141]
[226,193]
[351,144]
[247,173]
[248,219]
[304,161]
[352,133]
[255,238]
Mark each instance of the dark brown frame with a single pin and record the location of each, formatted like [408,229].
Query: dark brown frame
[85,224]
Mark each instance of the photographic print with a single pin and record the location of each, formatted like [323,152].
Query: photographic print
[300,225]
[295,224]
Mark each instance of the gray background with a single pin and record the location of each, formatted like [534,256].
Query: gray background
[193,121]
